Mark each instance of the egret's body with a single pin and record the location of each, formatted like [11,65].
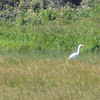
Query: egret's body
[74,55]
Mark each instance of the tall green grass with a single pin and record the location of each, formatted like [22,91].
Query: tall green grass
[51,36]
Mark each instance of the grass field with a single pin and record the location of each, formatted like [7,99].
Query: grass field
[46,74]
[25,77]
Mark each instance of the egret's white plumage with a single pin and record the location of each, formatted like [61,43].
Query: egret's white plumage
[74,55]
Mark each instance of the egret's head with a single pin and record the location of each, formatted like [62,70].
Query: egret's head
[81,45]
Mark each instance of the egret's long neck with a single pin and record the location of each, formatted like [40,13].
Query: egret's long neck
[78,50]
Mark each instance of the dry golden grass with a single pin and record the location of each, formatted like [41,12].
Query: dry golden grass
[49,79]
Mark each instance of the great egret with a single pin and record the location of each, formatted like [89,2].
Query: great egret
[74,55]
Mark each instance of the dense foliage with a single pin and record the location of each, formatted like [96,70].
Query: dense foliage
[61,28]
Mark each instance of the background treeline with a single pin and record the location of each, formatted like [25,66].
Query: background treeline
[49,25]
[10,8]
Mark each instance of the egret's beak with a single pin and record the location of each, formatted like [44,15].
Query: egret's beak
[82,45]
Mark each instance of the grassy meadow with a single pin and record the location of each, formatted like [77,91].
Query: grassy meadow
[30,77]
[34,50]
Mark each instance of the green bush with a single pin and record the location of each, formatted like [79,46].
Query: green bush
[47,15]
[53,29]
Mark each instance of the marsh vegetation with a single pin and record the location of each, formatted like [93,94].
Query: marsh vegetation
[34,48]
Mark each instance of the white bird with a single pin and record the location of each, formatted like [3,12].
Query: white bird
[74,55]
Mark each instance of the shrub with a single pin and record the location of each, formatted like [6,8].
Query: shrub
[47,15]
